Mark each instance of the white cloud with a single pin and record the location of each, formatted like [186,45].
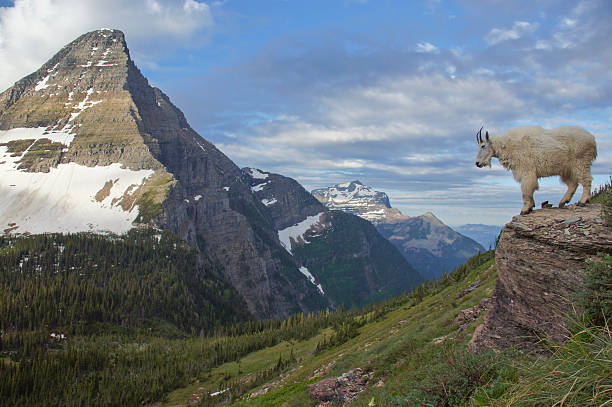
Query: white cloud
[405,127]
[192,6]
[519,28]
[31,31]
[426,47]
[569,22]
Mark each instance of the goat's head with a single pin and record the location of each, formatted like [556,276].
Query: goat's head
[485,150]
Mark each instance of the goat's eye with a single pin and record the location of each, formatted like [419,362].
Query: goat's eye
[482,146]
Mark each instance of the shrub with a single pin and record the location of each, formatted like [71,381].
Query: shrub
[453,379]
[579,374]
[595,296]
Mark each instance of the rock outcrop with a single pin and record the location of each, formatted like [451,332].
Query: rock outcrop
[339,390]
[540,261]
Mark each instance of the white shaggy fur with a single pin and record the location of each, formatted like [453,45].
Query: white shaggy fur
[533,152]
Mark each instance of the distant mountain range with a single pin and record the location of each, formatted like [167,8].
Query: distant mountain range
[427,243]
[486,235]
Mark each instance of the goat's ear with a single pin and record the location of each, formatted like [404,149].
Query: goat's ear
[487,136]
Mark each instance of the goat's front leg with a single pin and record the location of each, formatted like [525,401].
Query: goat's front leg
[529,184]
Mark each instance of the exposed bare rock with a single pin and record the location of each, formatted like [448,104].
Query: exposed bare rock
[540,262]
[343,389]
[469,315]
[469,289]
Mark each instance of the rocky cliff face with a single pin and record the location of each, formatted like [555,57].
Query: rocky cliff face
[344,256]
[427,243]
[287,202]
[87,145]
[540,260]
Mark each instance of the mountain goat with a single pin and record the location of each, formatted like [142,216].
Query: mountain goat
[533,152]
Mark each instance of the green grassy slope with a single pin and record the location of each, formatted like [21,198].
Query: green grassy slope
[413,349]
[151,362]
[396,347]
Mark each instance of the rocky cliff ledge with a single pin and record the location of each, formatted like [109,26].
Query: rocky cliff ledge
[540,261]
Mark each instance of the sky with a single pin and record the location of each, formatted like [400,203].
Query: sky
[387,92]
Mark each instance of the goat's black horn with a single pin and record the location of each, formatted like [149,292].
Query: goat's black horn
[479,135]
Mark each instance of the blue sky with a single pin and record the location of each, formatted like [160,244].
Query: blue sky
[387,92]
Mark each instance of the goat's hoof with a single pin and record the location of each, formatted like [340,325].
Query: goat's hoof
[581,204]
[525,212]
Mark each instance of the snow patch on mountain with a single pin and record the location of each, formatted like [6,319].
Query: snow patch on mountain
[269,202]
[255,173]
[42,84]
[83,105]
[259,187]
[104,62]
[311,278]
[35,133]
[66,199]
[297,231]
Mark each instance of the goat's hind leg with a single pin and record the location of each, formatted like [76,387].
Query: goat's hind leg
[571,188]
[586,187]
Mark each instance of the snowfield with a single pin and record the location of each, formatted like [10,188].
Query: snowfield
[35,133]
[297,231]
[64,199]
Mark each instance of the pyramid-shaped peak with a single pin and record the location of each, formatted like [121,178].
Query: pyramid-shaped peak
[95,51]
[77,75]
[431,218]
[95,46]
[101,35]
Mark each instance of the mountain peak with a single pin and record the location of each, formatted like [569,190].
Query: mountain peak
[430,217]
[429,214]
[357,198]
[98,60]
[87,145]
